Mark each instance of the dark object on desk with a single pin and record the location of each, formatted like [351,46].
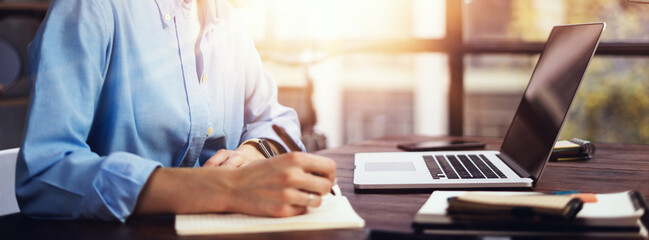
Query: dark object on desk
[441,145]
[550,207]
[573,150]
[622,214]
[378,234]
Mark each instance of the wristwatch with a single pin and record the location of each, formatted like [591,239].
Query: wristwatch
[262,145]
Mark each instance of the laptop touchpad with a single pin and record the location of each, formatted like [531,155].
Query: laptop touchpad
[389,166]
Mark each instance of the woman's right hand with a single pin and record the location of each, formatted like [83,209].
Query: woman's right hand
[280,186]
[277,187]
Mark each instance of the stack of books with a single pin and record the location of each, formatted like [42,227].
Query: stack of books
[532,214]
[572,150]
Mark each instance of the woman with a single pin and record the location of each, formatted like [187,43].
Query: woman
[124,90]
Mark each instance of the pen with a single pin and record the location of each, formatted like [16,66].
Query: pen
[294,147]
[585,197]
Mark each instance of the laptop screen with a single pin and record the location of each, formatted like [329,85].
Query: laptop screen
[546,100]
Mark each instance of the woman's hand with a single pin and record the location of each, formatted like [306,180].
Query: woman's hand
[280,186]
[277,187]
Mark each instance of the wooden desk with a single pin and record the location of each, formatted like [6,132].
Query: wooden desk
[616,167]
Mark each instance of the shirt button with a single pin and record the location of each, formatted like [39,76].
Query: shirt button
[209,131]
[204,78]
[167,17]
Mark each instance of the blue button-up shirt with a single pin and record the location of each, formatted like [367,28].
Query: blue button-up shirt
[119,90]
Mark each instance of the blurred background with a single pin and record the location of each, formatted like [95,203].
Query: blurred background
[361,69]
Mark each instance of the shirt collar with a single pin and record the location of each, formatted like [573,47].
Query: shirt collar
[170,8]
[211,11]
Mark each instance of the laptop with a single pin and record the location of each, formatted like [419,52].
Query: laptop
[528,143]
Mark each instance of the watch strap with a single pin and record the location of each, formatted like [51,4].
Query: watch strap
[262,145]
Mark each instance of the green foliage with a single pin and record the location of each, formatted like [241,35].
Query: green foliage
[612,104]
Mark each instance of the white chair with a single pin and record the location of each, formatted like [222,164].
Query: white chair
[8,203]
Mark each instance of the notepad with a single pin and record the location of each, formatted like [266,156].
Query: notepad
[335,213]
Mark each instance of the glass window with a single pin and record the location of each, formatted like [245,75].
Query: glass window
[612,104]
[356,95]
[344,19]
[493,85]
[367,95]
[532,20]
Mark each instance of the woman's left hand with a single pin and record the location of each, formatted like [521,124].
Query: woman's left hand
[234,158]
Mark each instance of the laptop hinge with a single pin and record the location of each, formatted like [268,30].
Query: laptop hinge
[514,166]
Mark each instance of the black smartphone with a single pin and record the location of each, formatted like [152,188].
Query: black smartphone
[439,145]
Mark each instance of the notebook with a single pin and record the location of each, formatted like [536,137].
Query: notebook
[527,144]
[572,150]
[335,213]
[613,214]
[563,207]
[621,209]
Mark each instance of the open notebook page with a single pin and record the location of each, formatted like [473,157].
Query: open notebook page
[335,212]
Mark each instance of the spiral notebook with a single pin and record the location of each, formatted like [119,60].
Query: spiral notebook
[572,150]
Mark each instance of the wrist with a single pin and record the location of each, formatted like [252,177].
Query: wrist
[250,151]
[267,148]
[188,190]
[222,190]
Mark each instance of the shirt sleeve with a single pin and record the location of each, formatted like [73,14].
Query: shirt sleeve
[262,109]
[57,173]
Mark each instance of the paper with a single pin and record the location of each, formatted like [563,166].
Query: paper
[542,201]
[335,212]
[565,144]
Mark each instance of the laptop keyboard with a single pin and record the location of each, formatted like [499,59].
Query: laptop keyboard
[461,166]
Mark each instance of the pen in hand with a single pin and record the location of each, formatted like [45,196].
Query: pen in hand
[294,147]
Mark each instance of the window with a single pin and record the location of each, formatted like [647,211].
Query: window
[437,67]
[358,55]
[612,104]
